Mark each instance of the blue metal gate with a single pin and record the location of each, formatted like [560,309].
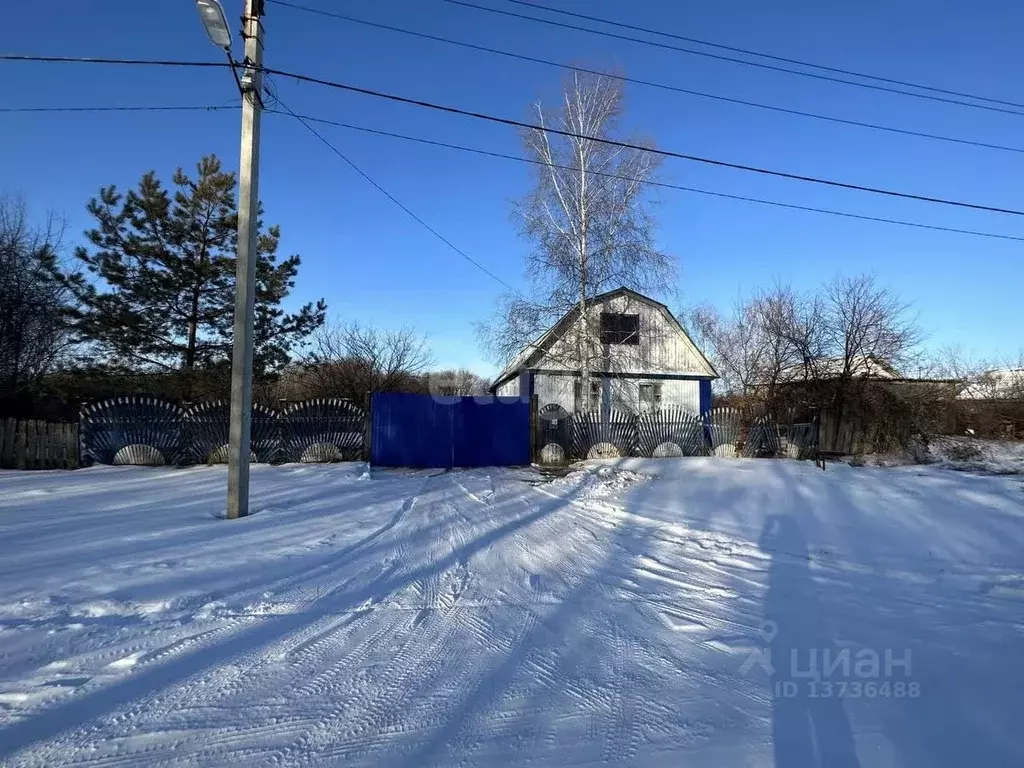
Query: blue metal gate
[421,431]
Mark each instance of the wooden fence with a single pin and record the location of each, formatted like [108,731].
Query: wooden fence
[38,445]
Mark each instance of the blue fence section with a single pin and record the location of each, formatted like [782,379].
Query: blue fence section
[421,431]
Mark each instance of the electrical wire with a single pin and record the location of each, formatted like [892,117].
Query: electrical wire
[210,108]
[649,182]
[637,81]
[719,57]
[748,52]
[501,155]
[304,121]
[97,60]
[652,150]
[522,124]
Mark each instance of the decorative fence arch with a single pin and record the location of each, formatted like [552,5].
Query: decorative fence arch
[724,429]
[597,436]
[762,439]
[206,426]
[554,435]
[324,429]
[133,429]
[139,429]
[671,432]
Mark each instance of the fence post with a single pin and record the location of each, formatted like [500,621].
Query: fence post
[46,433]
[43,451]
[368,429]
[7,443]
[51,445]
[534,426]
[20,442]
[42,444]
[74,455]
[34,440]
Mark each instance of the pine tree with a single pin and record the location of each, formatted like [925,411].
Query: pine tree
[159,293]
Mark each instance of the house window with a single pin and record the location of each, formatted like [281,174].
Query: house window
[593,402]
[650,398]
[617,328]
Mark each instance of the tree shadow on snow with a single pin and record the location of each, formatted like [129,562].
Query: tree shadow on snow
[809,729]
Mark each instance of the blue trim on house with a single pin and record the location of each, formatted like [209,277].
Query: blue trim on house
[526,385]
[705,395]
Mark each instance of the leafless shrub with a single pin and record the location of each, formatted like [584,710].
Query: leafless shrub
[34,334]
[456,382]
[353,361]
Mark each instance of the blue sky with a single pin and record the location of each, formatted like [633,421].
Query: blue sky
[373,263]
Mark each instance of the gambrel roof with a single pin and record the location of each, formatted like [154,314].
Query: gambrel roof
[535,351]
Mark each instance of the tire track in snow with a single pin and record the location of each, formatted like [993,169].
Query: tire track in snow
[621,738]
[441,589]
[342,675]
[225,681]
[360,714]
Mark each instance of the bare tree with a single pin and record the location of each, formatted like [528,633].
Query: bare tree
[794,328]
[34,333]
[456,382]
[764,340]
[588,217]
[736,343]
[353,361]
[865,323]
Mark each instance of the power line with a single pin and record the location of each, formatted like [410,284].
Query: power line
[649,182]
[96,60]
[531,126]
[302,119]
[719,57]
[119,109]
[647,83]
[652,150]
[501,155]
[770,56]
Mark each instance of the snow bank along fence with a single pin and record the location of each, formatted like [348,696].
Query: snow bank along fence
[139,429]
[561,436]
[38,445]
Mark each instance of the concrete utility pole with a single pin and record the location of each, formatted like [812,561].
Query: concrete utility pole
[245,269]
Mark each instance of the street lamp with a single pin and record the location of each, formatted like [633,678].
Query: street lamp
[239,427]
[215,22]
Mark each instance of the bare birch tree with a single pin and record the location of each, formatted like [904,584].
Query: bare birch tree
[588,218]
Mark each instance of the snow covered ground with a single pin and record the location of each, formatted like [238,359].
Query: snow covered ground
[968,454]
[640,612]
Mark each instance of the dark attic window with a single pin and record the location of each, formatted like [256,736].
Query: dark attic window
[617,328]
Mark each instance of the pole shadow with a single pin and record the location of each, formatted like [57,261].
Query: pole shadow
[809,729]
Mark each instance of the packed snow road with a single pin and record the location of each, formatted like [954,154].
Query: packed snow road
[699,612]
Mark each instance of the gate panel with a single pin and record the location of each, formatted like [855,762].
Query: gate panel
[492,434]
[418,431]
[410,431]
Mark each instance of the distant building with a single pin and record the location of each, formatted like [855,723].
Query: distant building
[997,384]
[826,368]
